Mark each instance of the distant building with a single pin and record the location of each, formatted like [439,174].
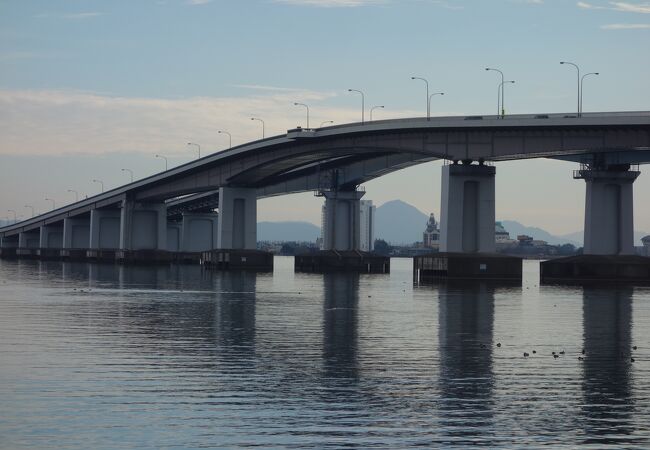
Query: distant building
[431,235]
[500,233]
[367,225]
[525,241]
[646,244]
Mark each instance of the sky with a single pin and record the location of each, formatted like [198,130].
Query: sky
[89,87]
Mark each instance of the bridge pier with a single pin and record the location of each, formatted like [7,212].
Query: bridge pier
[8,246]
[341,221]
[28,242]
[104,234]
[76,237]
[467,209]
[342,238]
[143,232]
[237,228]
[51,242]
[608,252]
[200,232]
[174,236]
[467,236]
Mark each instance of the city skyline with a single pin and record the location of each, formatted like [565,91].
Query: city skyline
[85,93]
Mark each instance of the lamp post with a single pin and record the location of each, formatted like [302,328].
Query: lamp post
[53,203]
[263,132]
[430,97]
[197,146]
[579,82]
[130,173]
[373,108]
[76,194]
[426,82]
[582,86]
[363,104]
[307,107]
[502,89]
[324,122]
[30,207]
[229,137]
[100,182]
[499,97]
[165,158]
[15,216]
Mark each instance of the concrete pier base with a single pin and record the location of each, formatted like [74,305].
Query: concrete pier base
[8,252]
[342,261]
[438,266]
[226,259]
[73,254]
[144,256]
[103,255]
[596,268]
[50,254]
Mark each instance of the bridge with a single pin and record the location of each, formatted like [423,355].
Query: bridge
[174,210]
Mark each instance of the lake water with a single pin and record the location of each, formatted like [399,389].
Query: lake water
[104,356]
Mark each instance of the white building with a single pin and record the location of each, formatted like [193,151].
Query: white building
[367,225]
[431,235]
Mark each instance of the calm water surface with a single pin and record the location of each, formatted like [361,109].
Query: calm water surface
[103,356]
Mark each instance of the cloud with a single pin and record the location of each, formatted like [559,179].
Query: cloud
[198,2]
[640,8]
[41,122]
[332,3]
[626,26]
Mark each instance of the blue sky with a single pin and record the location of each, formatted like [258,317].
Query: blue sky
[128,79]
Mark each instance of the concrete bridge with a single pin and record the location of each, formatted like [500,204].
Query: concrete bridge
[173,210]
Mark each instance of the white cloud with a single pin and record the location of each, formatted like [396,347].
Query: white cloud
[626,26]
[60,122]
[641,8]
[198,2]
[332,3]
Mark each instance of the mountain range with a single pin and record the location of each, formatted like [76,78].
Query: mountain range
[399,223]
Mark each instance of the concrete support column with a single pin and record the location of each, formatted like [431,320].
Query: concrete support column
[105,228]
[76,232]
[29,239]
[9,241]
[341,220]
[467,209]
[51,236]
[609,211]
[200,232]
[174,236]
[237,227]
[143,226]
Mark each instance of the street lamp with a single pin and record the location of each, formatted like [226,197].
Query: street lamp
[582,86]
[53,204]
[363,104]
[373,108]
[76,194]
[257,118]
[427,97]
[430,97]
[326,121]
[229,137]
[165,158]
[130,172]
[499,97]
[502,89]
[302,104]
[30,207]
[100,182]
[197,146]
[579,80]
[15,216]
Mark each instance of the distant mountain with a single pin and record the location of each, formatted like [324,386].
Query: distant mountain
[398,222]
[578,236]
[287,231]
[515,229]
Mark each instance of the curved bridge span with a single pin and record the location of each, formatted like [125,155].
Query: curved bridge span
[340,158]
